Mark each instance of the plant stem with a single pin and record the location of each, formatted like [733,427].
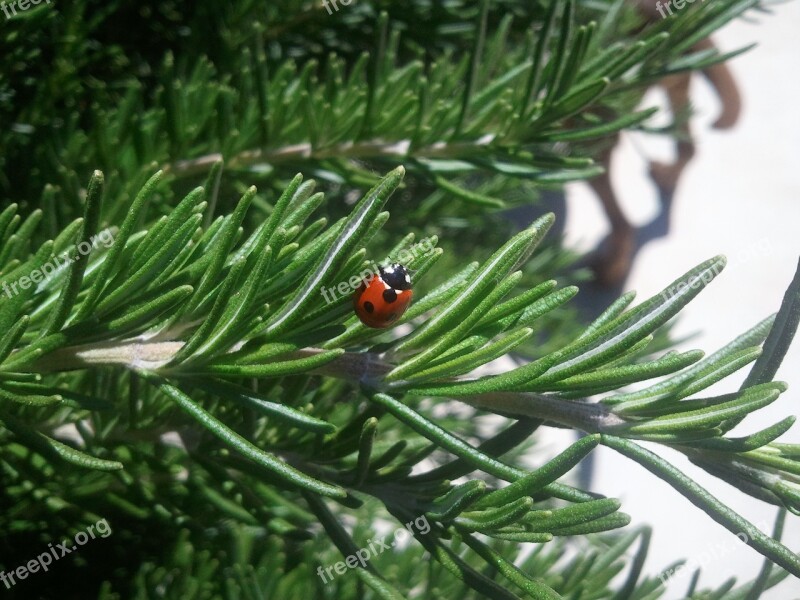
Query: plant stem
[365,367]
[306,151]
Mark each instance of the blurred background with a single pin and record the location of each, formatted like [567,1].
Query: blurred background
[738,197]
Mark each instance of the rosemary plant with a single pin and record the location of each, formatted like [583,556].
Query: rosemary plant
[171,365]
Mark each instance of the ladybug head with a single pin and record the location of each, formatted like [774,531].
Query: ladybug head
[396,276]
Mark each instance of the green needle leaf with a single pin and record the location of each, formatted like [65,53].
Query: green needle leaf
[277,368]
[356,227]
[365,443]
[723,515]
[535,589]
[285,472]
[749,442]
[449,338]
[640,322]
[154,265]
[70,290]
[56,449]
[223,243]
[619,376]
[12,336]
[281,412]
[535,481]
[472,360]
[120,241]
[456,500]
[725,360]
[571,516]
[780,336]
[494,518]
[751,400]
[444,439]
[494,270]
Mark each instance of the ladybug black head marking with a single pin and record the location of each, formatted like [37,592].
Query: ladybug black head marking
[396,276]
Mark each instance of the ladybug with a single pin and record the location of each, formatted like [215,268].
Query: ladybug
[383,298]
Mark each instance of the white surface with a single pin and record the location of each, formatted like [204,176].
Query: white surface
[739,197]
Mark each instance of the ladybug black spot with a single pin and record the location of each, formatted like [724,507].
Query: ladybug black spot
[368,306]
[389,295]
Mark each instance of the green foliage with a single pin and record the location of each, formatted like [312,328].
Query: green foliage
[189,382]
[342,113]
[261,363]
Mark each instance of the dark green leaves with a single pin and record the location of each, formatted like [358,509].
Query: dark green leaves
[637,323]
[602,345]
[536,480]
[354,230]
[77,268]
[741,351]
[53,448]
[194,309]
[493,271]
[132,219]
[280,412]
[780,336]
[273,464]
[742,404]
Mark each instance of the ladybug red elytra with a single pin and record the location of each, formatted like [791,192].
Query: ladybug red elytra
[383,299]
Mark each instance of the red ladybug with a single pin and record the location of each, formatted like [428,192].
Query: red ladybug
[383,298]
